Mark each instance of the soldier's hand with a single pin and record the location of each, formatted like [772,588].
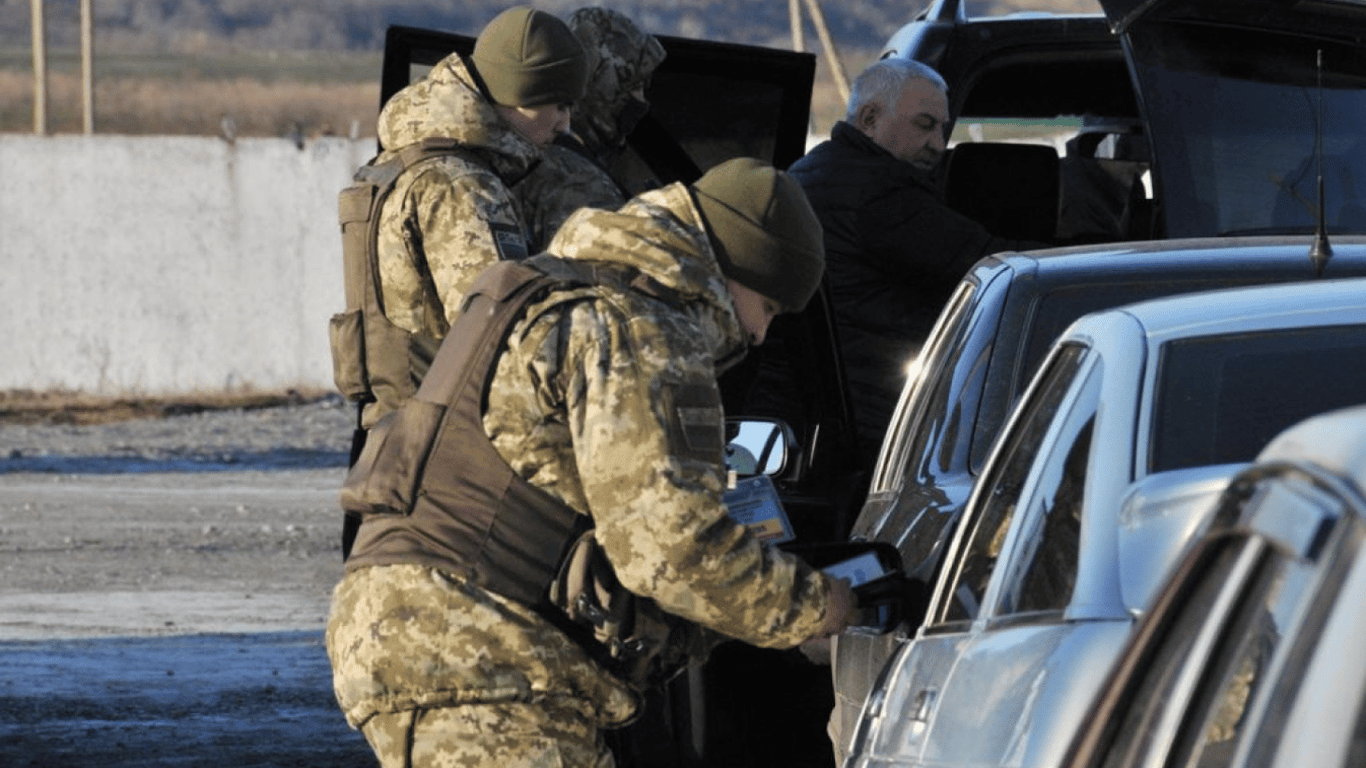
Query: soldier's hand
[842,610]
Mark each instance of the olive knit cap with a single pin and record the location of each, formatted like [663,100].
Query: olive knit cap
[529,58]
[767,237]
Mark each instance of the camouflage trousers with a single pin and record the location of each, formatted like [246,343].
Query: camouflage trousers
[504,735]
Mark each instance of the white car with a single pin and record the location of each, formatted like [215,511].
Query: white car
[1104,473]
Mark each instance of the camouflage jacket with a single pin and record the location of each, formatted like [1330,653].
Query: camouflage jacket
[606,399]
[447,218]
[575,173]
[565,181]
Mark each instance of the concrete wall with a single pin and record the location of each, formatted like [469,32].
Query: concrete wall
[169,265]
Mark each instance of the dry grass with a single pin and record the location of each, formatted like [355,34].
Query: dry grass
[263,97]
[22,406]
[192,105]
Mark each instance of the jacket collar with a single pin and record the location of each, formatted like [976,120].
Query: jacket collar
[662,233]
[447,103]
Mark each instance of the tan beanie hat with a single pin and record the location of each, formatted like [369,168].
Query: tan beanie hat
[529,58]
[766,235]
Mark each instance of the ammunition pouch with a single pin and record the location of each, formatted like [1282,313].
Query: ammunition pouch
[373,360]
[631,636]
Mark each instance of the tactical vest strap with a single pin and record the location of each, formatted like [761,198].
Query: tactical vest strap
[432,489]
[371,357]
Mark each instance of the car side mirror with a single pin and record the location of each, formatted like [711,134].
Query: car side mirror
[887,597]
[759,446]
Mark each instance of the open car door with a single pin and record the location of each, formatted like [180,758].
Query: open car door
[710,102]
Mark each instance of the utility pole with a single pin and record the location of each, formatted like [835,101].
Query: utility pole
[794,12]
[87,67]
[828,43]
[39,69]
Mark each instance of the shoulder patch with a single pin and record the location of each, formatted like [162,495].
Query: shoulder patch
[696,422]
[509,240]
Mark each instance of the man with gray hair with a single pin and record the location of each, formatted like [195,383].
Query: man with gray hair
[894,250]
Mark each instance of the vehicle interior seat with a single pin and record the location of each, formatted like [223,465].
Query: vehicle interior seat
[1011,189]
[1102,197]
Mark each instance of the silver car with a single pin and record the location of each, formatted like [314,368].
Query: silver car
[1102,475]
[1251,655]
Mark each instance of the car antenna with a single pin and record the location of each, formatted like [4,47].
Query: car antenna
[1320,252]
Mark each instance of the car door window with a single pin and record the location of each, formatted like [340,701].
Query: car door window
[1192,688]
[1043,571]
[996,501]
[924,412]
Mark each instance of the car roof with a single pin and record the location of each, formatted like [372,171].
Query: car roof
[1215,255]
[1299,304]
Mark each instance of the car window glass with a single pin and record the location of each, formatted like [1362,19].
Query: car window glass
[999,493]
[1247,656]
[1159,671]
[1277,613]
[1220,399]
[1060,307]
[978,8]
[925,413]
[1213,649]
[1244,159]
[1043,572]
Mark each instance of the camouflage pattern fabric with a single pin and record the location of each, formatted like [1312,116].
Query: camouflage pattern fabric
[406,636]
[493,735]
[606,399]
[626,60]
[564,182]
[448,218]
[574,177]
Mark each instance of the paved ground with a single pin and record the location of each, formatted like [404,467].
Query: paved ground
[163,587]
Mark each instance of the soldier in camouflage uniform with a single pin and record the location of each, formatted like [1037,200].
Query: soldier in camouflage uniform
[574,172]
[589,400]
[450,217]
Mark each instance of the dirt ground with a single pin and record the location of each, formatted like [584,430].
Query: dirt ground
[165,570]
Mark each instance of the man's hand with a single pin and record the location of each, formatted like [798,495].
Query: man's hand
[842,610]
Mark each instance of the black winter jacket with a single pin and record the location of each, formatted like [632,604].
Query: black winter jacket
[894,253]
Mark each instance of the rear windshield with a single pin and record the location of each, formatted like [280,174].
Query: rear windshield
[1235,118]
[1221,399]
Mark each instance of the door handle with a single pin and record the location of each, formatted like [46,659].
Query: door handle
[923,705]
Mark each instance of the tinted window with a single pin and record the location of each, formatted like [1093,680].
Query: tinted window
[976,8]
[1220,399]
[1189,635]
[1279,611]
[1052,313]
[1001,491]
[1045,570]
[933,410]
[1235,118]
[1058,308]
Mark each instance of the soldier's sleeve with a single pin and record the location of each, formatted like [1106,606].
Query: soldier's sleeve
[561,184]
[466,222]
[647,426]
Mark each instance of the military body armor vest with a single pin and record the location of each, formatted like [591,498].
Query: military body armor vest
[431,489]
[373,360]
